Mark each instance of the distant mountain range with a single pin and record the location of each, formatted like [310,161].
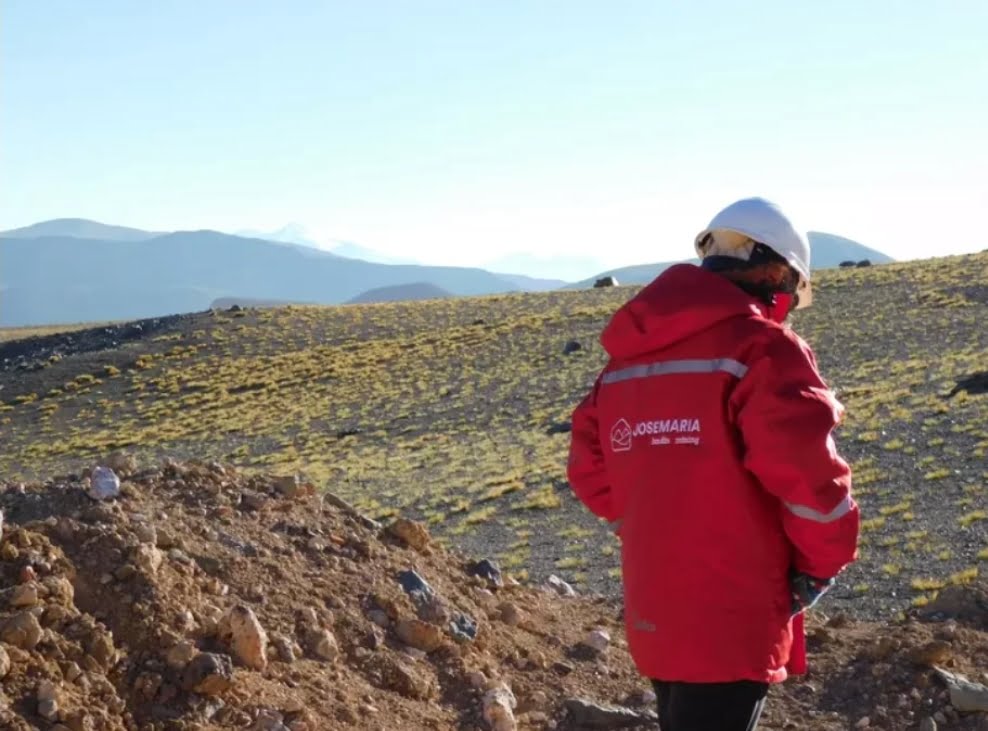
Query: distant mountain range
[79,228]
[827,251]
[296,233]
[76,270]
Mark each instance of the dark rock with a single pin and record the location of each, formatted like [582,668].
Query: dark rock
[571,347]
[208,674]
[974,384]
[589,715]
[463,628]
[414,585]
[487,569]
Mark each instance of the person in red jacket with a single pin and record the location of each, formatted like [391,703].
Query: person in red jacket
[707,442]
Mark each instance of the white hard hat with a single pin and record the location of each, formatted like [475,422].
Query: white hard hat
[763,221]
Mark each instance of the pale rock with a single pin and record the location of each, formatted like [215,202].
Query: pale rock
[210,617]
[22,630]
[323,644]
[928,724]
[48,709]
[243,634]
[103,484]
[379,617]
[498,709]
[73,672]
[180,655]
[47,691]
[420,635]
[863,723]
[59,589]
[598,640]
[148,558]
[268,720]
[965,695]
[560,587]
[24,595]
[414,534]
[4,663]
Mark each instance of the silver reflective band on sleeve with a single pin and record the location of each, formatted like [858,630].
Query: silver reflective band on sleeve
[673,367]
[842,509]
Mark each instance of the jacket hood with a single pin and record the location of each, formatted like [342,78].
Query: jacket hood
[682,301]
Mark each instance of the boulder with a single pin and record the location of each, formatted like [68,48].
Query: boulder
[243,634]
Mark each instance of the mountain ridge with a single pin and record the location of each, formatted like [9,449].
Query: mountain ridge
[49,280]
[827,251]
[132,273]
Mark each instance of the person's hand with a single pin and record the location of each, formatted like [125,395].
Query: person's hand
[806,590]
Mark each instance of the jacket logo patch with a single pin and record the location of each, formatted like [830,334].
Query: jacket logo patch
[661,433]
[621,436]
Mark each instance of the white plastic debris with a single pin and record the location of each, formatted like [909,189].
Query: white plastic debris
[104,484]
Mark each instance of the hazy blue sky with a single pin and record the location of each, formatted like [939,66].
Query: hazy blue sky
[461,130]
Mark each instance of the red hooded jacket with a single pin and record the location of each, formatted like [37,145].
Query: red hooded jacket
[707,442]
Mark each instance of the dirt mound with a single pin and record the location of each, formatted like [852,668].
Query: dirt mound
[201,598]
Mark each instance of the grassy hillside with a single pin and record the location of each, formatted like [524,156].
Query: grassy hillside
[450,411]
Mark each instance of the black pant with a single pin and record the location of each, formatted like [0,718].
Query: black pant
[710,706]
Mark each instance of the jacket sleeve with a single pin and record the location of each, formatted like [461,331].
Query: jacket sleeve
[786,415]
[586,470]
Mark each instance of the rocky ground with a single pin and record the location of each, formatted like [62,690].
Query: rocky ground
[191,596]
[30,353]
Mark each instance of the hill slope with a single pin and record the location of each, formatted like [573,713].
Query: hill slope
[401,292]
[61,279]
[828,251]
[455,411]
[218,600]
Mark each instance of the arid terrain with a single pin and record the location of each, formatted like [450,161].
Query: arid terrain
[453,414]
[203,598]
